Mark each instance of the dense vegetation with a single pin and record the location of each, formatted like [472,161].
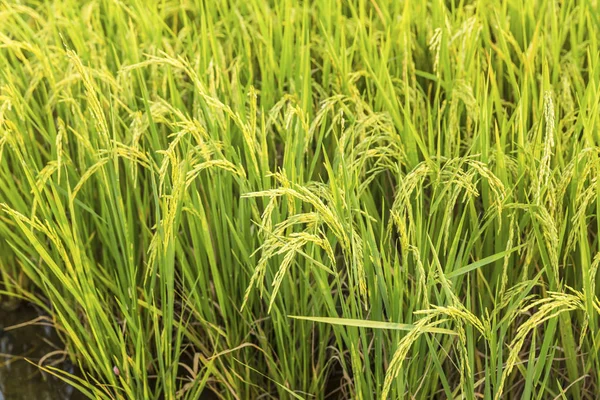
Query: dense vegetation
[302,199]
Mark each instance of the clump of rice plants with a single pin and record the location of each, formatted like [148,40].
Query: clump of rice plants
[363,199]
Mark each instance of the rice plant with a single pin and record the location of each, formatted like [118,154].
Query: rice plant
[363,199]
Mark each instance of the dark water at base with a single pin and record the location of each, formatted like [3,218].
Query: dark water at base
[19,379]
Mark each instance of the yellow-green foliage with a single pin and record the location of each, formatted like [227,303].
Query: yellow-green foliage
[301,199]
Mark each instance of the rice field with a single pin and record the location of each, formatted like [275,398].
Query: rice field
[329,199]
